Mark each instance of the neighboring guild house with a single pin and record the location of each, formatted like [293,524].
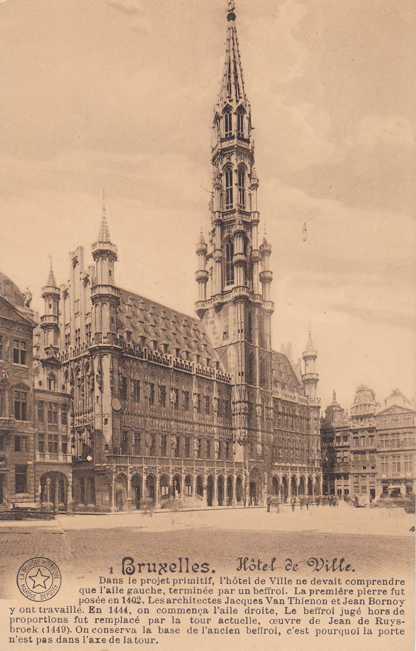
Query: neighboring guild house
[369,452]
[162,406]
[17,434]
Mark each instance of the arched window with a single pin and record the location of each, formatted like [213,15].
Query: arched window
[240,123]
[228,188]
[51,382]
[229,268]
[242,186]
[228,123]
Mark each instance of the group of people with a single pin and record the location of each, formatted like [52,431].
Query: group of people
[301,502]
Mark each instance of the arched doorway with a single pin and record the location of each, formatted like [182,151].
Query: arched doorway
[317,486]
[120,492]
[310,486]
[151,488]
[188,486]
[275,486]
[136,491]
[164,487]
[301,486]
[293,487]
[220,490]
[255,491]
[284,489]
[239,490]
[229,490]
[54,491]
[210,490]
[200,486]
[177,486]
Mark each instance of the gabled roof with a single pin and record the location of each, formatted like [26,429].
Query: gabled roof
[284,376]
[10,291]
[12,313]
[395,409]
[148,321]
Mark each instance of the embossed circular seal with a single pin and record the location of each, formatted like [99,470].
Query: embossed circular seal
[39,579]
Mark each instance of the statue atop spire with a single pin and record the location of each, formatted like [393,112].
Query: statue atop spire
[232,88]
[231,15]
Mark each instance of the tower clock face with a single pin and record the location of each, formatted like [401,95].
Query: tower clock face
[116,404]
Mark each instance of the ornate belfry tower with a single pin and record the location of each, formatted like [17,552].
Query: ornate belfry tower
[233,272]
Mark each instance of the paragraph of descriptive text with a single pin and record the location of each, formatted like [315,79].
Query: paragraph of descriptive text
[143,610]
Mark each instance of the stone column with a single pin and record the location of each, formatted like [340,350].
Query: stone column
[194,484]
[69,504]
[56,497]
[48,493]
[113,492]
[143,487]
[204,486]
[234,497]
[128,489]
[215,496]
[157,499]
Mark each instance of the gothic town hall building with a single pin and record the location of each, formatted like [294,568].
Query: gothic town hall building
[129,403]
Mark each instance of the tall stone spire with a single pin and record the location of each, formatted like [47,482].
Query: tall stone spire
[232,87]
[234,274]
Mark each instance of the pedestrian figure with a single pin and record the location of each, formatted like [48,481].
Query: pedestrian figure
[268,503]
[293,503]
[307,504]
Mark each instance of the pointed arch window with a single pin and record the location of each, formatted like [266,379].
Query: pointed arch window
[240,123]
[229,268]
[228,123]
[228,188]
[51,382]
[242,186]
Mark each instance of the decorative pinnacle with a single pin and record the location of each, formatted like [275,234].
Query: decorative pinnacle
[310,348]
[51,282]
[104,233]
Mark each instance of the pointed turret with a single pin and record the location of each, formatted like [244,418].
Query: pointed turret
[104,247]
[50,317]
[310,376]
[105,295]
[104,232]
[51,282]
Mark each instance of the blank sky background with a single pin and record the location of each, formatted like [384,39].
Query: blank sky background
[119,94]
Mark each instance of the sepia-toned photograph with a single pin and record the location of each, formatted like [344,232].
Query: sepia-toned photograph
[207,324]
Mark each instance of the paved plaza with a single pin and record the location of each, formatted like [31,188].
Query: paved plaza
[375,541]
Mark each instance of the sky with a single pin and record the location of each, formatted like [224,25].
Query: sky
[119,94]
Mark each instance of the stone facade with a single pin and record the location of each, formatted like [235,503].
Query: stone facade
[369,452]
[138,404]
[17,481]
